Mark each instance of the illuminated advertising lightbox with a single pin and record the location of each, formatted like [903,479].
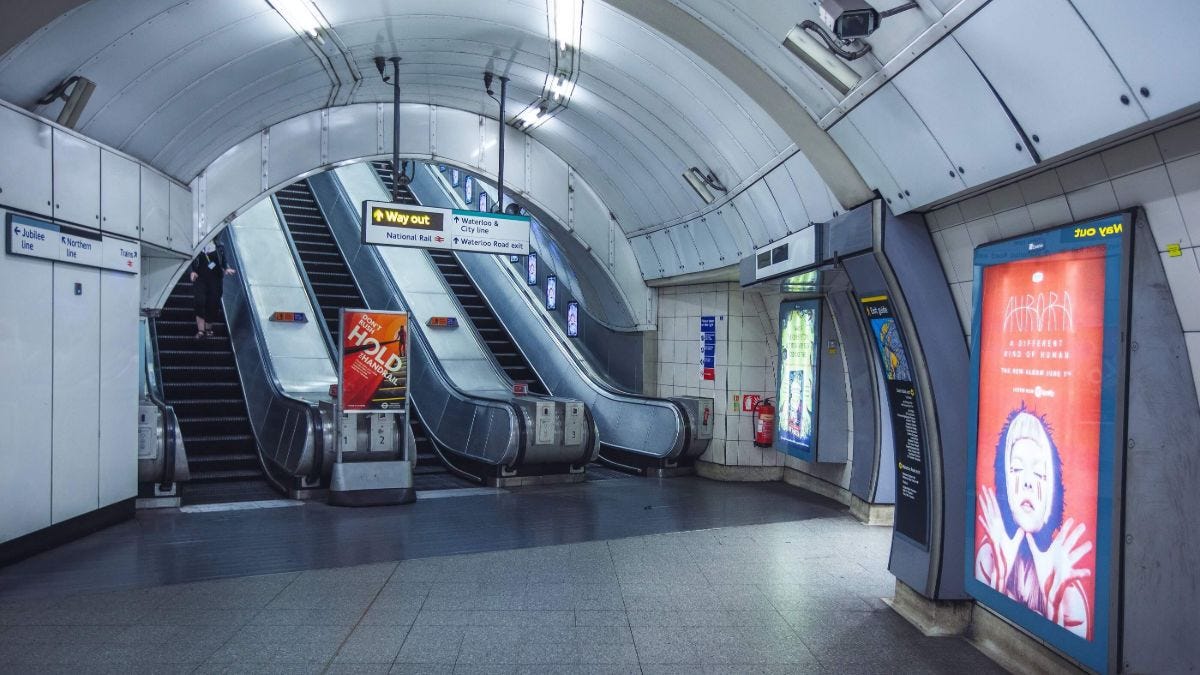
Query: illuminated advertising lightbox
[1046,398]
[531,269]
[551,292]
[799,342]
[572,319]
[469,189]
[373,368]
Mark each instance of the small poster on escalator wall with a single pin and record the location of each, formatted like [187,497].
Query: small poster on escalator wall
[373,373]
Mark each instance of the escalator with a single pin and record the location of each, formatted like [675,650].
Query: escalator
[200,381]
[334,288]
[639,433]
[497,339]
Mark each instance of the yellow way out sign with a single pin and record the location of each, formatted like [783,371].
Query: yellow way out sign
[389,224]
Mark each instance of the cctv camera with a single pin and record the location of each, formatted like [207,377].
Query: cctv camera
[849,19]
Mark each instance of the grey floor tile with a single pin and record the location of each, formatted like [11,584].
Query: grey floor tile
[431,644]
[178,616]
[602,617]
[247,667]
[339,668]
[372,644]
[664,645]
[321,616]
[403,668]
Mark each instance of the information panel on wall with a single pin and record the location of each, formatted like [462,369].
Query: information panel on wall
[41,239]
[373,365]
[1046,398]
[904,409]
[799,343]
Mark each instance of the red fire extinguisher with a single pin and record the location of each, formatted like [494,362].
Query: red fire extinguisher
[764,424]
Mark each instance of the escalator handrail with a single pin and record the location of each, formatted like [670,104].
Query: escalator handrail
[308,409]
[155,394]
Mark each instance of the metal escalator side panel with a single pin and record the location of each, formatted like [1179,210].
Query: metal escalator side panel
[633,423]
[283,424]
[443,407]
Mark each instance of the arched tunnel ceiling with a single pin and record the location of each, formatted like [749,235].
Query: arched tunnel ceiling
[180,82]
[663,85]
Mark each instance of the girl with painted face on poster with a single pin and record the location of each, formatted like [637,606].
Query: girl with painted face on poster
[1028,553]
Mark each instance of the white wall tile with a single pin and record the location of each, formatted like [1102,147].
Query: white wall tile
[1183,275]
[975,207]
[960,250]
[1005,198]
[1179,141]
[1014,222]
[1131,157]
[939,245]
[983,230]
[1152,189]
[963,293]
[1092,201]
[1185,179]
[685,374]
[948,216]
[1040,187]
[1049,212]
[1082,173]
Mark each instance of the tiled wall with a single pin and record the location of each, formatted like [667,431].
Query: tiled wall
[747,362]
[1160,172]
[747,353]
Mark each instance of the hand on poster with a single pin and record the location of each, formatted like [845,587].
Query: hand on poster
[992,562]
[1067,601]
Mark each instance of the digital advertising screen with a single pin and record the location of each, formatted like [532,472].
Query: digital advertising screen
[469,189]
[531,269]
[373,373]
[551,292]
[1048,372]
[799,347]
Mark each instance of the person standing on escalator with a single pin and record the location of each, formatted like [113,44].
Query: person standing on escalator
[209,270]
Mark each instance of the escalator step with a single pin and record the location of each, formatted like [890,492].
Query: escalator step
[200,476]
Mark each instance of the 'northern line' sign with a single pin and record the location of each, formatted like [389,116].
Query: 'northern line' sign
[390,224]
[41,239]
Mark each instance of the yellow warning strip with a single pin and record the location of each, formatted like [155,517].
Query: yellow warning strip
[874,298]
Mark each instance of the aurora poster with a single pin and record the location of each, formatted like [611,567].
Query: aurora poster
[1046,315]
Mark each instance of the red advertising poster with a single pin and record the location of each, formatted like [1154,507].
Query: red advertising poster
[1041,335]
[374,368]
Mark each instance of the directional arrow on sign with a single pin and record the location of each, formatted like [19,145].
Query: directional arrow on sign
[377,215]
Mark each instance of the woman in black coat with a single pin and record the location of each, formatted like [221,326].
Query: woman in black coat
[209,270]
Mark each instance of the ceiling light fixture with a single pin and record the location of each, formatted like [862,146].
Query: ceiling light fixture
[303,16]
[704,184]
[821,59]
[567,22]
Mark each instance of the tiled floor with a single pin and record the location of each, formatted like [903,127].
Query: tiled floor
[800,596]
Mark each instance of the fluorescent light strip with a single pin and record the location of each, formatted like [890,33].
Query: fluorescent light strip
[568,19]
[302,15]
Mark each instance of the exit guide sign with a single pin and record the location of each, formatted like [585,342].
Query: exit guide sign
[390,224]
